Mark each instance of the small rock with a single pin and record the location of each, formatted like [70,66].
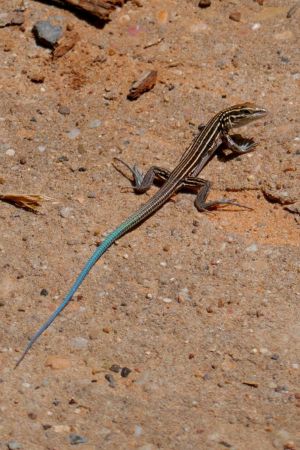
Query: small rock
[125,371]
[10,152]
[72,134]
[44,292]
[47,34]
[65,212]
[289,445]
[77,439]
[35,75]
[115,368]
[256,26]
[252,248]
[110,379]
[64,110]
[204,3]
[13,445]
[281,196]
[184,295]
[79,343]
[95,123]
[235,16]
[62,158]
[57,363]
[138,431]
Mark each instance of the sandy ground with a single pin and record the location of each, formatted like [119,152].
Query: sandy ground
[202,308]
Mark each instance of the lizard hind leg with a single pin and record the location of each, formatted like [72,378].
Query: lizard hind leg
[202,188]
[142,183]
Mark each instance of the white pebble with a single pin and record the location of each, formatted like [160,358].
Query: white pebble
[138,430]
[41,148]
[252,248]
[256,26]
[10,152]
[65,212]
[79,343]
[95,123]
[74,133]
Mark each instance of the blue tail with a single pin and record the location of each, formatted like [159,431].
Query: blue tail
[109,240]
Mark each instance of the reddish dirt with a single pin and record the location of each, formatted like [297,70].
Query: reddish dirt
[203,308]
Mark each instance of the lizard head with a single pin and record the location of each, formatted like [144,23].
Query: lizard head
[239,115]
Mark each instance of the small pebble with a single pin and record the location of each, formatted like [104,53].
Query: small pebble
[77,439]
[204,3]
[65,212]
[64,110]
[44,292]
[110,379]
[13,445]
[95,123]
[252,248]
[41,148]
[62,158]
[74,133]
[125,371]
[235,16]
[255,26]
[138,430]
[115,368]
[167,300]
[79,343]
[289,445]
[36,76]
[47,34]
[10,152]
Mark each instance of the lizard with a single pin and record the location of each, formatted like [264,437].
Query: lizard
[183,176]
